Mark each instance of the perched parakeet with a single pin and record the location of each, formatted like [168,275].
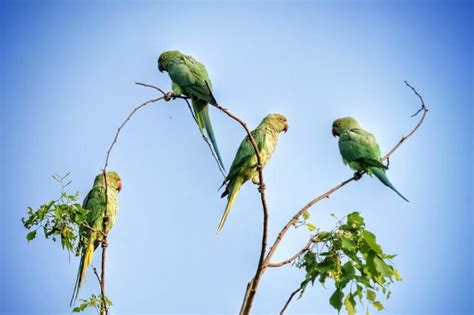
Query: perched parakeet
[360,150]
[244,166]
[191,79]
[94,204]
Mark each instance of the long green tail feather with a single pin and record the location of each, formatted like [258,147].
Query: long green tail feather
[234,190]
[86,260]
[201,111]
[380,174]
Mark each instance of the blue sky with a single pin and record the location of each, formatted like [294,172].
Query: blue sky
[67,81]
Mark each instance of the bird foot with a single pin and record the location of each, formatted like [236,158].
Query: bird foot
[357,175]
[105,244]
[261,188]
[169,96]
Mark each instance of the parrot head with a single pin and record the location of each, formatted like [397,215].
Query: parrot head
[113,180]
[277,121]
[342,124]
[166,57]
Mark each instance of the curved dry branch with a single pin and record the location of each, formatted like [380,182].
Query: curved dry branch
[253,284]
[327,194]
[292,295]
[295,256]
[136,109]
[104,308]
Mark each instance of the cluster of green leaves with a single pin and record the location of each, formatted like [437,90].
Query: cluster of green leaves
[352,258]
[94,301]
[60,218]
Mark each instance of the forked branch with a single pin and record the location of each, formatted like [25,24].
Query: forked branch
[423,109]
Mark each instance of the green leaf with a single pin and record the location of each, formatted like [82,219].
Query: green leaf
[378,305]
[347,244]
[327,264]
[350,304]
[369,238]
[371,295]
[396,274]
[31,236]
[370,263]
[382,267]
[336,299]
[306,215]
[355,220]
[322,235]
[359,292]
[349,268]
[311,226]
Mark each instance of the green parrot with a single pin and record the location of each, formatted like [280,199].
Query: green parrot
[244,166]
[94,204]
[191,79]
[360,150]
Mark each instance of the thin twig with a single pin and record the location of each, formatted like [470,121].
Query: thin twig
[186,99]
[151,86]
[327,194]
[295,256]
[289,300]
[96,274]
[332,190]
[136,109]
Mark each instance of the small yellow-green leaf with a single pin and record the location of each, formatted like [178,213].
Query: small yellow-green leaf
[378,306]
[306,215]
[396,274]
[371,295]
[349,303]
[311,226]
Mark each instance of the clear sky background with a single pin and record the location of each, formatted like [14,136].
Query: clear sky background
[67,81]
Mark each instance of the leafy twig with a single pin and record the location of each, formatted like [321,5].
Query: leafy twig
[327,194]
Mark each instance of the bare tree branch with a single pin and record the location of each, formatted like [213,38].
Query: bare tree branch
[96,274]
[104,308]
[253,284]
[136,109]
[327,194]
[295,256]
[186,99]
[289,300]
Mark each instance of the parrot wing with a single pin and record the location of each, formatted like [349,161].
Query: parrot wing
[94,203]
[191,76]
[245,156]
[358,145]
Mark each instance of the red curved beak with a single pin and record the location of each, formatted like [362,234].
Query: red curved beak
[334,132]
[119,187]
[286,128]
